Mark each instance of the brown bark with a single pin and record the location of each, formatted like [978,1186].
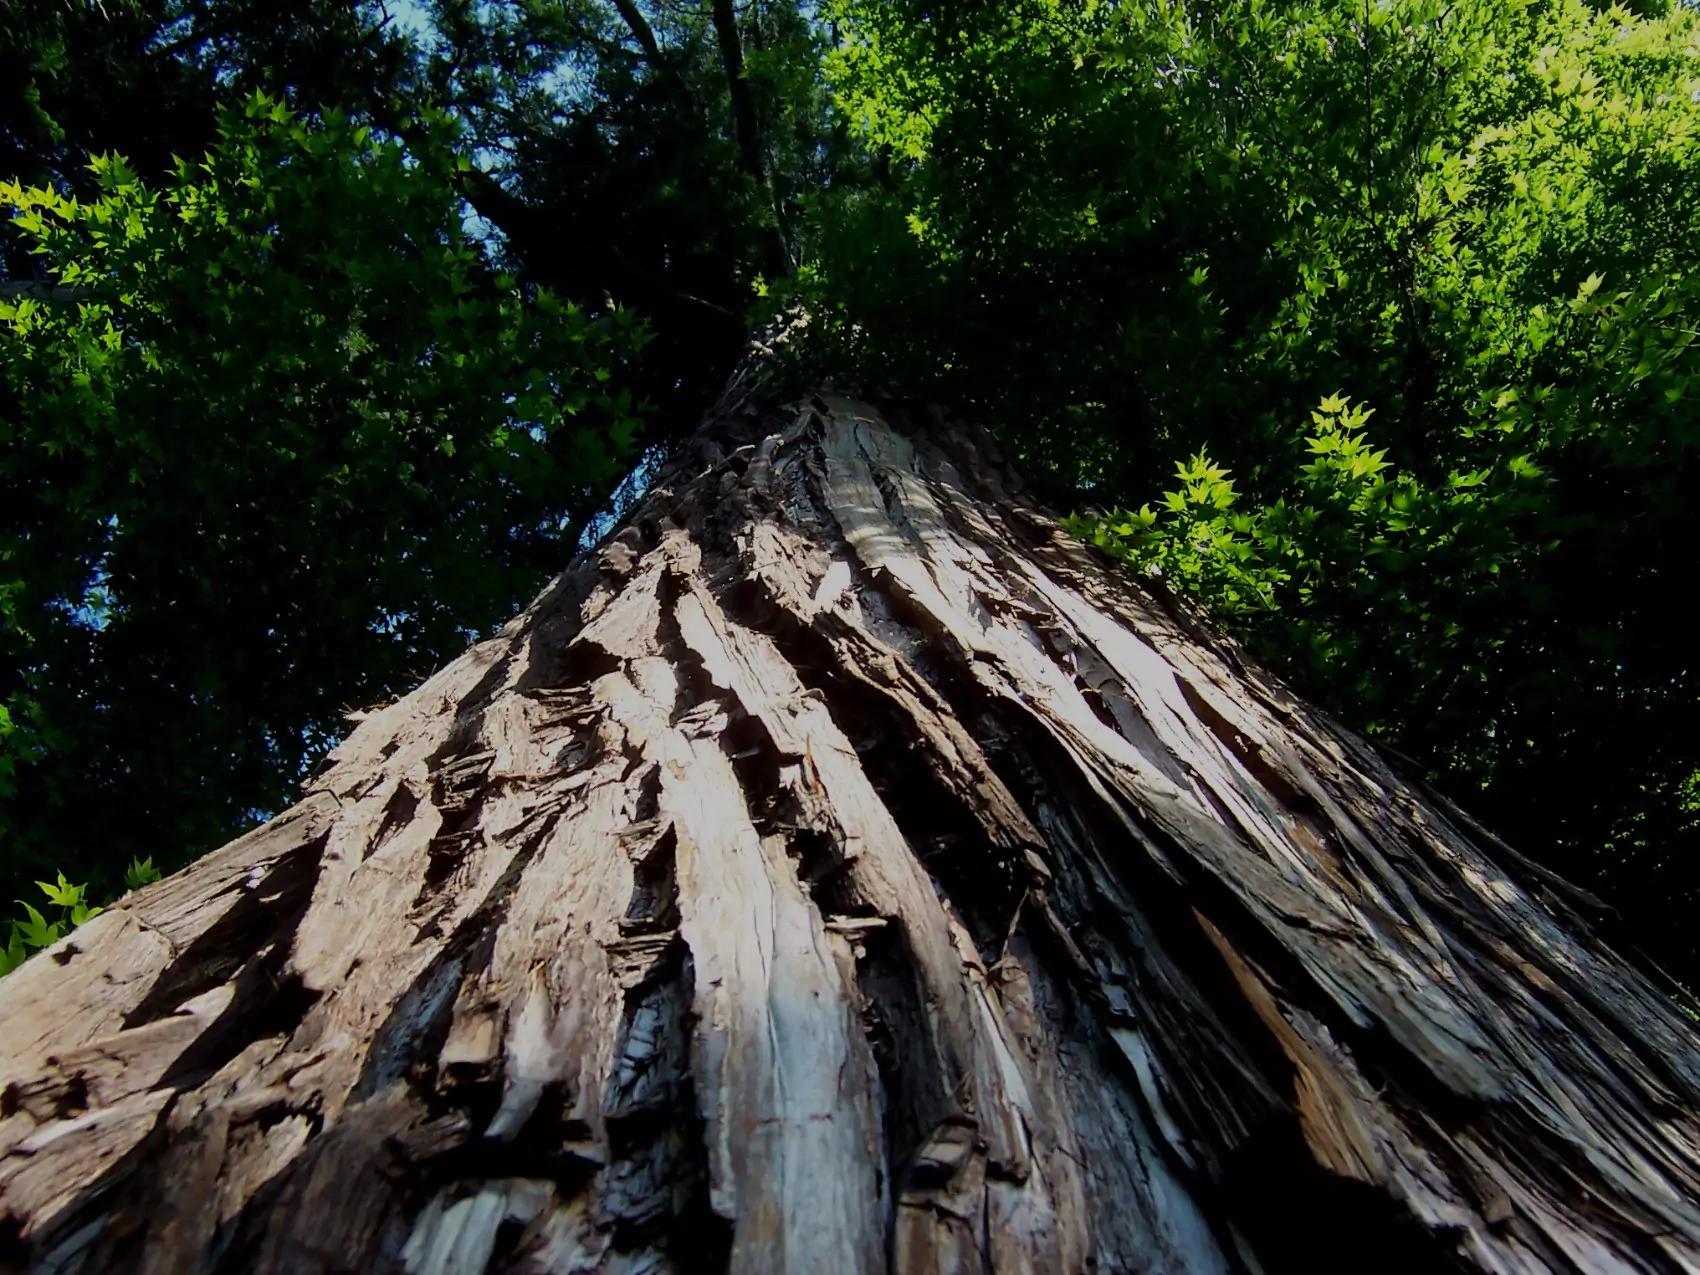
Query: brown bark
[843,870]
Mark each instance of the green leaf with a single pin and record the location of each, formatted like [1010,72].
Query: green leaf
[83,912]
[35,931]
[13,954]
[140,872]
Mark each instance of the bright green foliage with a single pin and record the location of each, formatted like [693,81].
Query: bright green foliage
[1353,558]
[1148,230]
[34,931]
[140,872]
[275,441]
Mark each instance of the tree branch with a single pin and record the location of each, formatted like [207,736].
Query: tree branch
[641,31]
[746,130]
[40,290]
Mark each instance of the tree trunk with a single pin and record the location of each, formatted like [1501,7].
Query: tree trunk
[843,870]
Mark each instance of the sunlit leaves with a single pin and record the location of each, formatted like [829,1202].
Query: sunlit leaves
[140,872]
[281,439]
[33,931]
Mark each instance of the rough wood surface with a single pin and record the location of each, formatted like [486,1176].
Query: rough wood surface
[842,870]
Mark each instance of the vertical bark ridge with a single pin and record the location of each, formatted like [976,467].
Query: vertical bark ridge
[843,869]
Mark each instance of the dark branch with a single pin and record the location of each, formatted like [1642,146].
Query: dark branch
[642,32]
[40,290]
[746,129]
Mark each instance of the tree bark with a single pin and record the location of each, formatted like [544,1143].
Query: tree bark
[843,870]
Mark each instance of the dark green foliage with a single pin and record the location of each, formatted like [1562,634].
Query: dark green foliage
[145,78]
[615,169]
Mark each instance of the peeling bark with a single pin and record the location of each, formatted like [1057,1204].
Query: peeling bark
[843,870]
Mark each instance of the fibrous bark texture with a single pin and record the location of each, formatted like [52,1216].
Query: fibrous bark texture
[843,870]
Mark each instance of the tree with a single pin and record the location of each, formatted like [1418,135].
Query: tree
[1147,234]
[1132,235]
[843,868]
[405,327]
